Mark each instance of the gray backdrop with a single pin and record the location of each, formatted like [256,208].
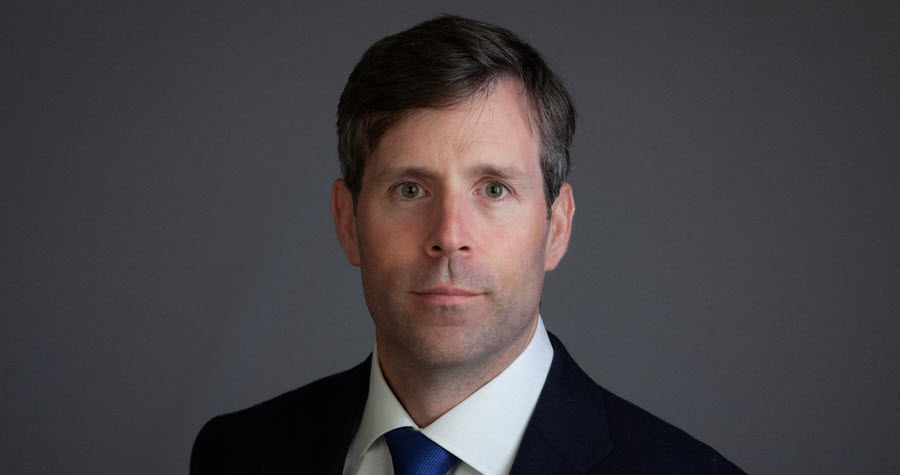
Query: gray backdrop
[168,251]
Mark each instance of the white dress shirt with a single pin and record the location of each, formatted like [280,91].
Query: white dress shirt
[483,431]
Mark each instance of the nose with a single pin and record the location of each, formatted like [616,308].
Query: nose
[451,228]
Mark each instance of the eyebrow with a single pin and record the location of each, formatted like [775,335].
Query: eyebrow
[485,169]
[503,173]
[393,173]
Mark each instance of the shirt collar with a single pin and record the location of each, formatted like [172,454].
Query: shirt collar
[485,429]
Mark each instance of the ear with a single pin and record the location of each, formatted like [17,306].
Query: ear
[345,220]
[560,227]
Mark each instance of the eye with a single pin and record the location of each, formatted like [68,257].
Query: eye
[495,190]
[408,190]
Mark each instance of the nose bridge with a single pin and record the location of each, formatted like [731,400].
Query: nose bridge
[451,224]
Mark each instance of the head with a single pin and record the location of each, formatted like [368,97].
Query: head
[454,147]
[442,63]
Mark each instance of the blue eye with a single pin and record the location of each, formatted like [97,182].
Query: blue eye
[494,190]
[409,190]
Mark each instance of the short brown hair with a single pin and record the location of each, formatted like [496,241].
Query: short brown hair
[441,63]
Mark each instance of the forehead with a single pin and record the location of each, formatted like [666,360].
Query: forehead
[488,129]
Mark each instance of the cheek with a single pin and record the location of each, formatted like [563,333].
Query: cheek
[518,253]
[387,246]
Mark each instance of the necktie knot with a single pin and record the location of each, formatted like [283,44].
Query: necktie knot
[414,454]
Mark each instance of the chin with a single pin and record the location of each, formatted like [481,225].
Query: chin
[442,347]
[461,347]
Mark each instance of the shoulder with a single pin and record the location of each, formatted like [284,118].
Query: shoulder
[319,414]
[645,443]
[625,438]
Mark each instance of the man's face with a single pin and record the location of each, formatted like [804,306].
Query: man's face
[451,233]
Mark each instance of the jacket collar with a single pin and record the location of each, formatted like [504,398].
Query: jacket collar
[568,431]
[325,435]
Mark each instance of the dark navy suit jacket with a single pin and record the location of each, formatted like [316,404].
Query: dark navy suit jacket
[577,427]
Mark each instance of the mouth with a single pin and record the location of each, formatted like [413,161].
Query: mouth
[446,295]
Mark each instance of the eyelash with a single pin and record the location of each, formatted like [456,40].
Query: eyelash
[398,190]
[506,191]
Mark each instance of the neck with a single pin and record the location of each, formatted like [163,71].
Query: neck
[427,391]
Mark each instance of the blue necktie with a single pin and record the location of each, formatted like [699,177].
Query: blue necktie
[415,454]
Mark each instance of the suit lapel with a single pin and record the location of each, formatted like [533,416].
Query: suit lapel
[322,439]
[568,431]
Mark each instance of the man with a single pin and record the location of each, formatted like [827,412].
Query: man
[453,142]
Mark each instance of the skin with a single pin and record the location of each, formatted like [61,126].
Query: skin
[452,238]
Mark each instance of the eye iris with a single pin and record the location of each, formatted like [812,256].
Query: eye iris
[494,190]
[409,190]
